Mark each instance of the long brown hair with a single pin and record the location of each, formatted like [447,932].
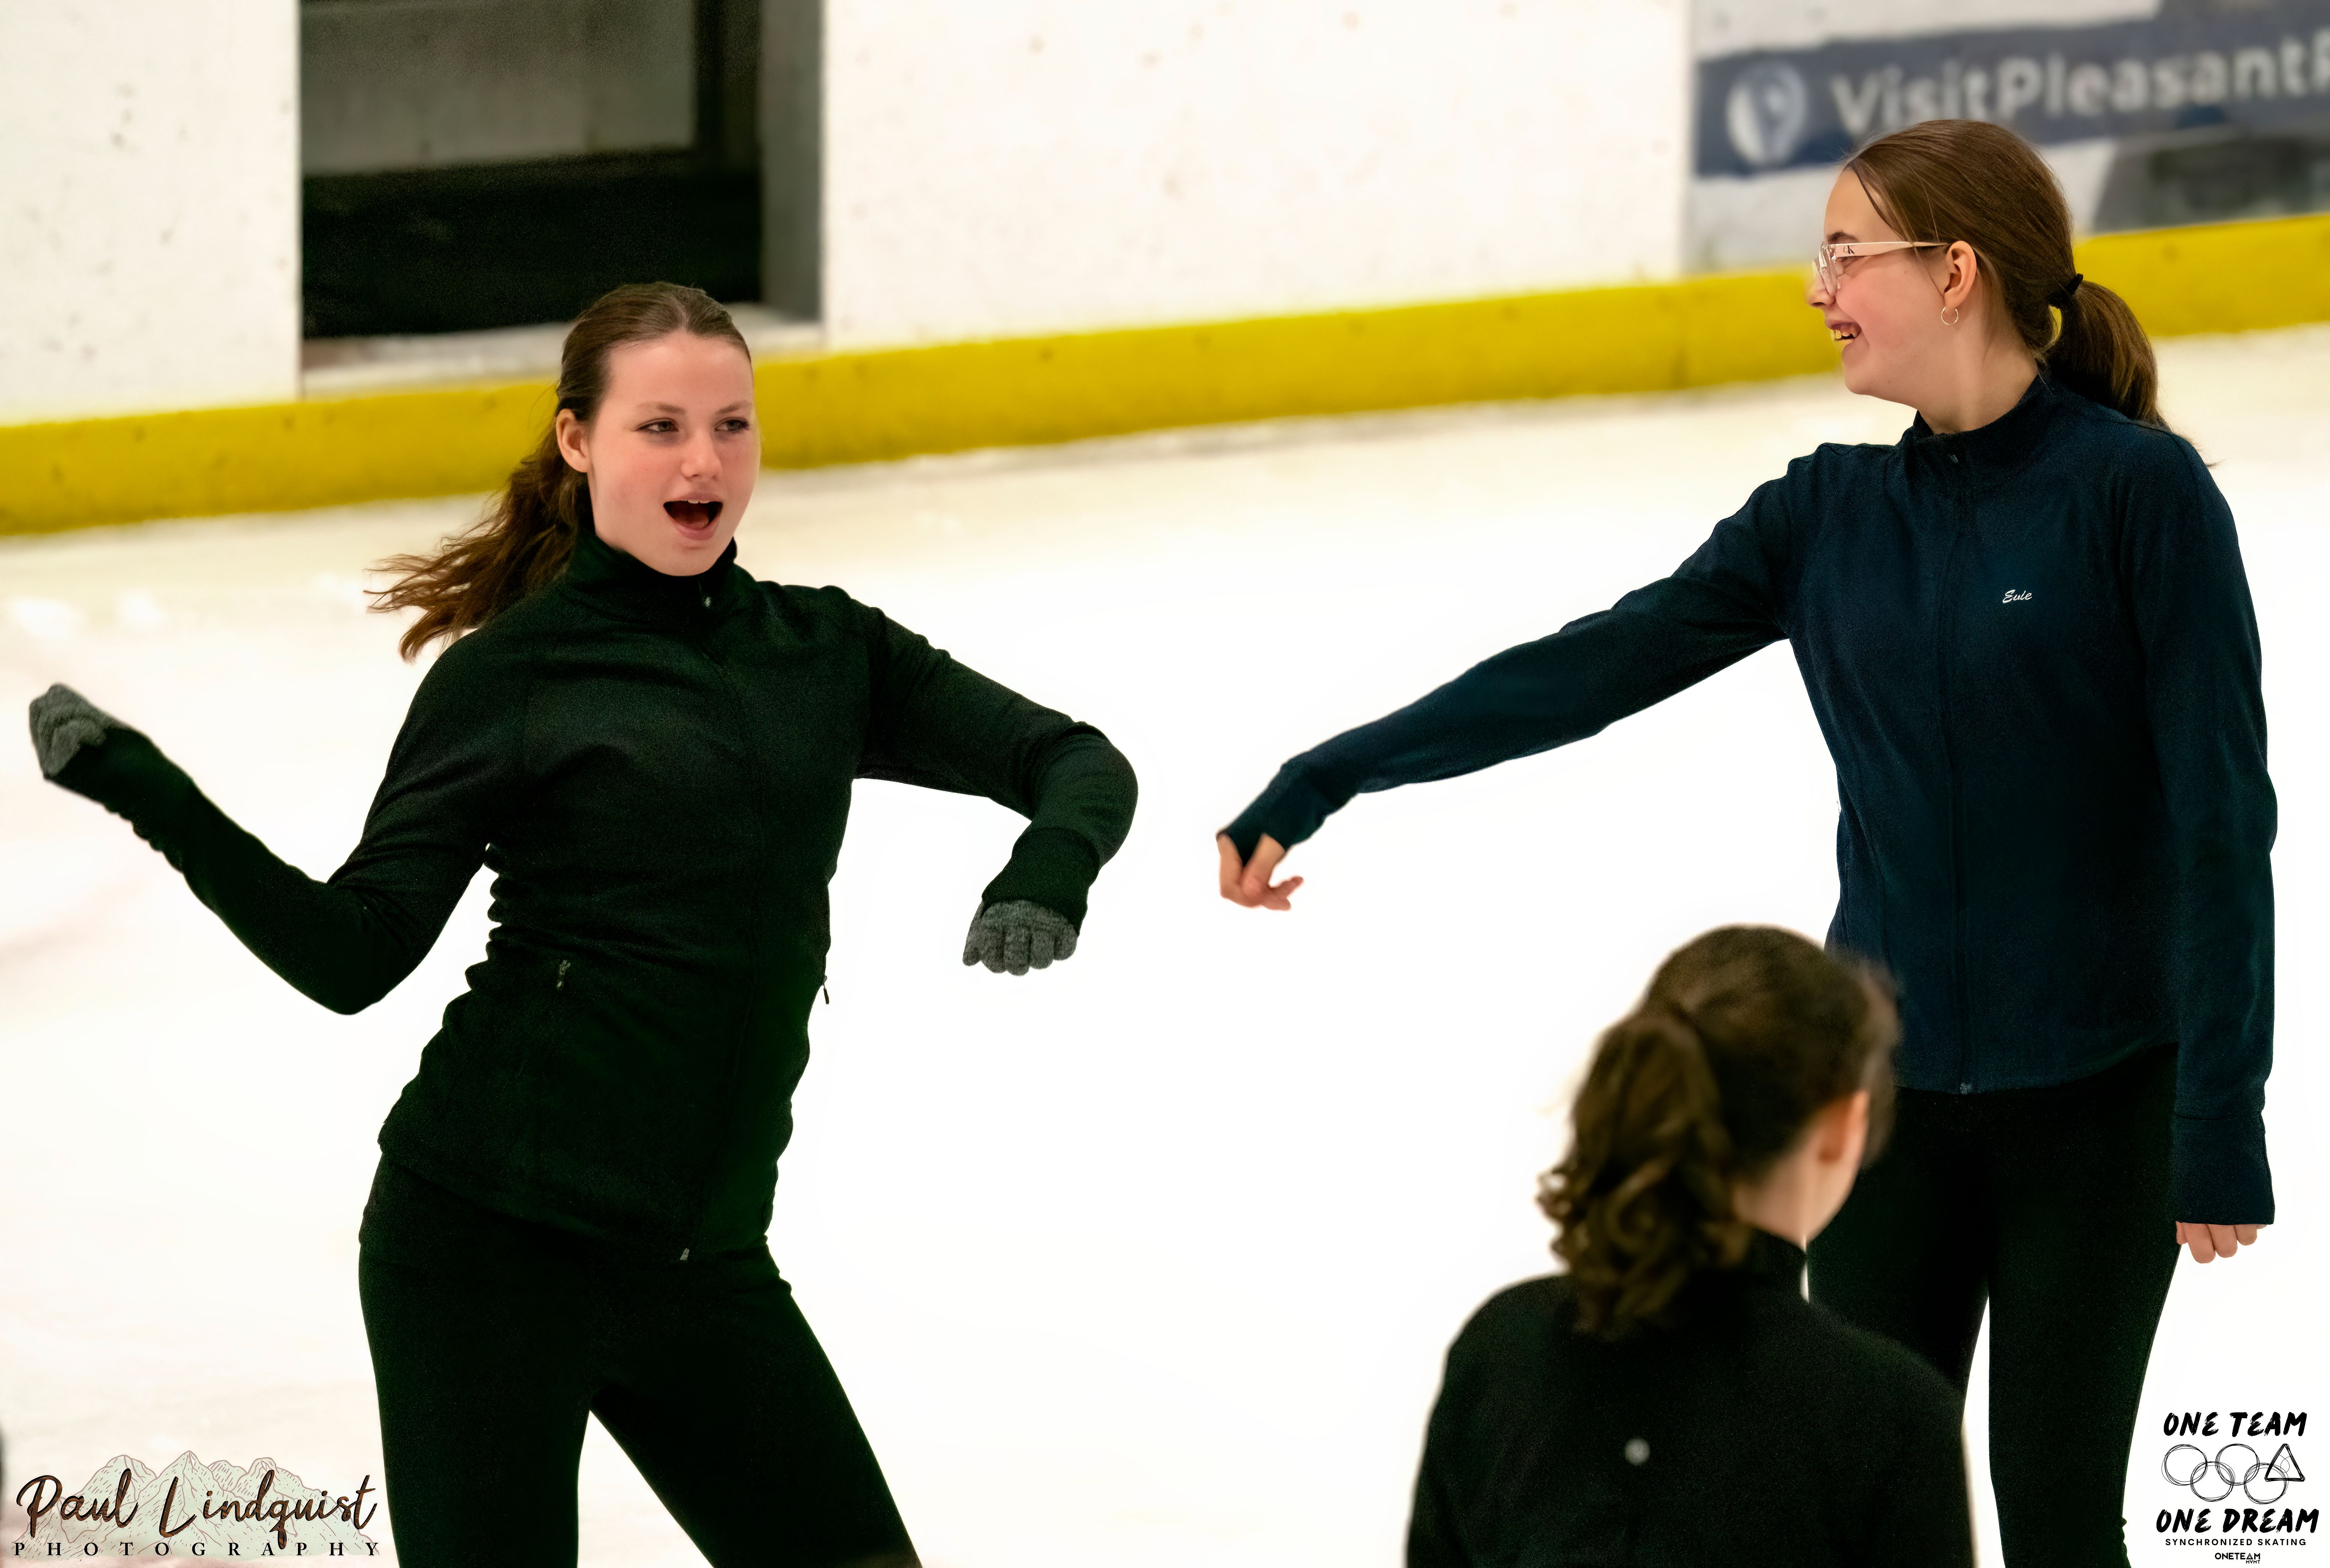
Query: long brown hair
[1967,179]
[526,537]
[1743,1034]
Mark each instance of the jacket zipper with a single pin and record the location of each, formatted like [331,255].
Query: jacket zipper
[758,924]
[1944,647]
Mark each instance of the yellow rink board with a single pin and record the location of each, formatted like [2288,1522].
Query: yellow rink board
[857,407]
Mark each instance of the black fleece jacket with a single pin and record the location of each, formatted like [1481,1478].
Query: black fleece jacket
[656,771]
[1759,1430]
[2032,651]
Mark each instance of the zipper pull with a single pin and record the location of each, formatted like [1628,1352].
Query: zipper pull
[563,965]
[825,993]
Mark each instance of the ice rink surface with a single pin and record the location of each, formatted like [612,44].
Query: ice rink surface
[1143,1261]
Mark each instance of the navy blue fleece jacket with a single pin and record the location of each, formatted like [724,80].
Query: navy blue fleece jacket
[2031,650]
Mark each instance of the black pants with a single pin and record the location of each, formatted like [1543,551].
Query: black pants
[494,1338]
[2052,1204]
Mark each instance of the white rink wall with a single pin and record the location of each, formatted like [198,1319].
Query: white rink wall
[1030,167]
[1011,167]
[149,158]
[1014,166]
[1730,26]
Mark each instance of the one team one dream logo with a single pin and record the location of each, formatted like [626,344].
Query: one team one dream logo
[2246,1488]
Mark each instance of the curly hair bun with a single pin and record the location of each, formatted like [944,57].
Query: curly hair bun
[1744,1034]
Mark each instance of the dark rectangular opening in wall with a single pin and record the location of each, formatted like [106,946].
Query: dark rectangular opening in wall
[478,163]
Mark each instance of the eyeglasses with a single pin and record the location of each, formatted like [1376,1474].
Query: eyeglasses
[1828,260]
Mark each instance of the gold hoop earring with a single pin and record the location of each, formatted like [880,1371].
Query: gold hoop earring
[1950,316]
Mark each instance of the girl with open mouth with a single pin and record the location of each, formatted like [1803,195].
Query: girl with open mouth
[653,752]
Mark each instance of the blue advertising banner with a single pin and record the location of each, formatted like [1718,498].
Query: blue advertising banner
[1763,110]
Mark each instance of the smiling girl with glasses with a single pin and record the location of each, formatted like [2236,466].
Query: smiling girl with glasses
[2027,634]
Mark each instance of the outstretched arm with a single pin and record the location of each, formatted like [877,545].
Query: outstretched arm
[344,943]
[941,724]
[1722,604]
[2191,602]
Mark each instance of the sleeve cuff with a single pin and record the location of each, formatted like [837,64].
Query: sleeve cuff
[1290,810]
[2219,1174]
[1050,866]
[128,776]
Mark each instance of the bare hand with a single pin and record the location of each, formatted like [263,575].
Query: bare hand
[2209,1242]
[1249,883]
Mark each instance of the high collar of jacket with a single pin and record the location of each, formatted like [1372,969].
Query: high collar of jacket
[624,586]
[1997,449]
[1773,1260]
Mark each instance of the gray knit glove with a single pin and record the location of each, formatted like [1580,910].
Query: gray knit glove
[64,721]
[1018,936]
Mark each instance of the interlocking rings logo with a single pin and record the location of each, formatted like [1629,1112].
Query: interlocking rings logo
[2236,1465]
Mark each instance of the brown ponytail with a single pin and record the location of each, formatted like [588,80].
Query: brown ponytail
[1967,179]
[1743,1034]
[527,536]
